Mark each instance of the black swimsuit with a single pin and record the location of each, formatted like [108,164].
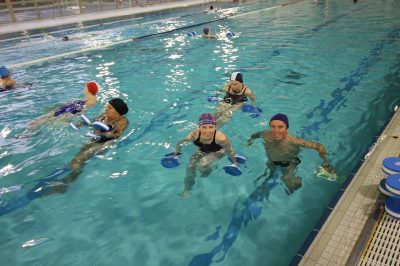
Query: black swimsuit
[104,138]
[235,98]
[293,162]
[212,147]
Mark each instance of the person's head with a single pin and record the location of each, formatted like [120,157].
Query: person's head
[92,87]
[116,107]
[4,72]
[206,30]
[237,76]
[66,38]
[236,82]
[207,123]
[279,125]
[211,7]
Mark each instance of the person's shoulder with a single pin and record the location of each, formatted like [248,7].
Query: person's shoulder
[124,118]
[296,140]
[220,136]
[247,88]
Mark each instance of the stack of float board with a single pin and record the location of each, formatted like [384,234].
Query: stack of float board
[390,186]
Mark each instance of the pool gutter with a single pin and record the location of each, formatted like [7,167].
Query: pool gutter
[342,229]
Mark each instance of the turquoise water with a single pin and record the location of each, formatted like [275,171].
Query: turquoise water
[333,68]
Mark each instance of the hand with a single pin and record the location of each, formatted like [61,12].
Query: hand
[185,194]
[249,142]
[327,167]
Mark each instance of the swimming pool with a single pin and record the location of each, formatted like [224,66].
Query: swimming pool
[332,68]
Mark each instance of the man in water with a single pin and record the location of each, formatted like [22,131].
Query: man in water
[283,150]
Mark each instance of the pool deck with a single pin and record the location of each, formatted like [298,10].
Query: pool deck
[337,242]
[341,239]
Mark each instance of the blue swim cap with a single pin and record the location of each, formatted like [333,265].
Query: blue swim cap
[4,72]
[280,117]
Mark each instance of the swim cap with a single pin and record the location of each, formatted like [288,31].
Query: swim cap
[237,76]
[206,119]
[206,30]
[119,105]
[280,117]
[4,72]
[92,87]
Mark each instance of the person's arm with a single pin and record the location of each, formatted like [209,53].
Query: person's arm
[256,135]
[251,95]
[119,128]
[318,147]
[224,90]
[221,139]
[189,138]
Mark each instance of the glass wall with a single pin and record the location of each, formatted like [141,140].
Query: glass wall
[24,10]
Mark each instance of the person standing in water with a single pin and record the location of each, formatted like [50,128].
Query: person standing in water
[283,150]
[212,145]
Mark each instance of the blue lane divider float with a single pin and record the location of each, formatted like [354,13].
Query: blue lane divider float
[177,29]
[391,165]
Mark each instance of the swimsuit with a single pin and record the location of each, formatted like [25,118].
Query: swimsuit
[73,108]
[104,138]
[293,162]
[212,147]
[235,98]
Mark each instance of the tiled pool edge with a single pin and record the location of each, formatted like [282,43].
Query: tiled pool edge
[336,233]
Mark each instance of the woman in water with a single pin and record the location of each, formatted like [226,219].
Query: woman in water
[212,145]
[236,94]
[69,110]
[114,117]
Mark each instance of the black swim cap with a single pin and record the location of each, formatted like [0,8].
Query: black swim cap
[119,105]
[237,76]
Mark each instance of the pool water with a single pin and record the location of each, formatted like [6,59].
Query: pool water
[333,68]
